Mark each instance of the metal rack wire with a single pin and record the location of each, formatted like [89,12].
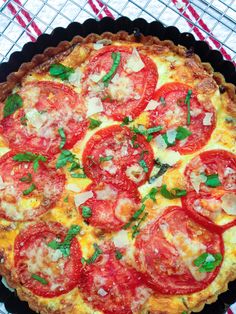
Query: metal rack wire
[24,20]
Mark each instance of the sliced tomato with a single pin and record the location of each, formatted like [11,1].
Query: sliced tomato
[113,287]
[17,178]
[124,166]
[166,249]
[50,106]
[216,203]
[173,111]
[33,257]
[128,92]
[110,206]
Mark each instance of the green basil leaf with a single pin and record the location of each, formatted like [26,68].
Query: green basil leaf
[65,157]
[173,193]
[187,102]
[94,123]
[207,262]
[86,211]
[12,103]
[23,120]
[134,217]
[126,121]
[116,56]
[152,195]
[39,279]
[30,189]
[63,137]
[95,255]
[161,171]
[66,199]
[165,138]
[107,158]
[162,100]
[27,178]
[30,157]
[118,255]
[154,129]
[143,164]
[61,71]
[182,133]
[136,228]
[149,138]
[78,175]
[212,180]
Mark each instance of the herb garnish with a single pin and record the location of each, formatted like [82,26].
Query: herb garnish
[212,180]
[95,255]
[162,100]
[94,123]
[133,139]
[61,71]
[27,178]
[173,193]
[66,199]
[23,120]
[64,246]
[39,279]
[162,169]
[12,103]
[118,255]
[126,121]
[86,211]
[116,56]
[187,102]
[65,157]
[181,134]
[151,194]
[207,262]
[30,189]
[106,158]
[63,137]
[30,157]
[140,129]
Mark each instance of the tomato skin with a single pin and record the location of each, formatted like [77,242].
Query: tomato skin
[160,260]
[213,161]
[41,232]
[144,82]
[107,139]
[63,104]
[40,178]
[104,214]
[172,92]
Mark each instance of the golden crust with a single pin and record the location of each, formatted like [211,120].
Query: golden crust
[208,82]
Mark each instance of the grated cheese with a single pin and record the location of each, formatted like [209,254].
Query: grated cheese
[82,198]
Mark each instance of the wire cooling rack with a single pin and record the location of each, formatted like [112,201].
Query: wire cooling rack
[211,20]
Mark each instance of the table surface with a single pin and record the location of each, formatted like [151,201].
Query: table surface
[211,20]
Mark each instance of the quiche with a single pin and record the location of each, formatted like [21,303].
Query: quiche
[117,178]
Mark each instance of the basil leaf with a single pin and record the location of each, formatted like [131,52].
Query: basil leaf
[107,158]
[162,100]
[78,175]
[66,199]
[154,129]
[207,262]
[134,217]
[94,123]
[95,255]
[30,157]
[30,189]
[149,138]
[152,195]
[133,139]
[136,228]
[212,180]
[116,56]
[39,279]
[64,246]
[65,157]
[86,211]
[61,71]
[182,133]
[143,164]
[173,193]
[12,103]
[63,137]
[23,120]
[187,102]
[118,255]
[126,121]
[27,178]
[161,171]
[165,138]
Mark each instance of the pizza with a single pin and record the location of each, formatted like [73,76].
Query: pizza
[117,178]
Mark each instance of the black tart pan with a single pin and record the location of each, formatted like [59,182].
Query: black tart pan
[138,26]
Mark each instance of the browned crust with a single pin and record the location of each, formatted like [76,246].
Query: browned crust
[41,62]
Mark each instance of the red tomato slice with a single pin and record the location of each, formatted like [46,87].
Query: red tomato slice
[208,201]
[174,114]
[34,257]
[16,206]
[53,106]
[128,92]
[123,168]
[110,206]
[113,287]
[166,249]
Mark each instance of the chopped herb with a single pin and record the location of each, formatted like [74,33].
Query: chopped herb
[207,262]
[184,312]
[94,123]
[146,132]
[149,138]
[133,139]
[61,71]
[65,157]
[118,255]
[143,164]
[143,152]
[154,129]
[30,189]
[152,195]
[64,246]
[78,175]
[134,217]
[95,255]
[182,133]
[126,121]
[187,102]
[161,171]
[63,137]
[75,165]
[162,100]
[136,228]
[116,56]
[165,138]
[108,98]
[86,211]
[30,157]
[107,158]
[23,120]
[12,103]
[66,199]
[39,279]
[173,193]
[212,180]
[27,178]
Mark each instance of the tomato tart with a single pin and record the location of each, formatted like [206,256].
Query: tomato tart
[117,178]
